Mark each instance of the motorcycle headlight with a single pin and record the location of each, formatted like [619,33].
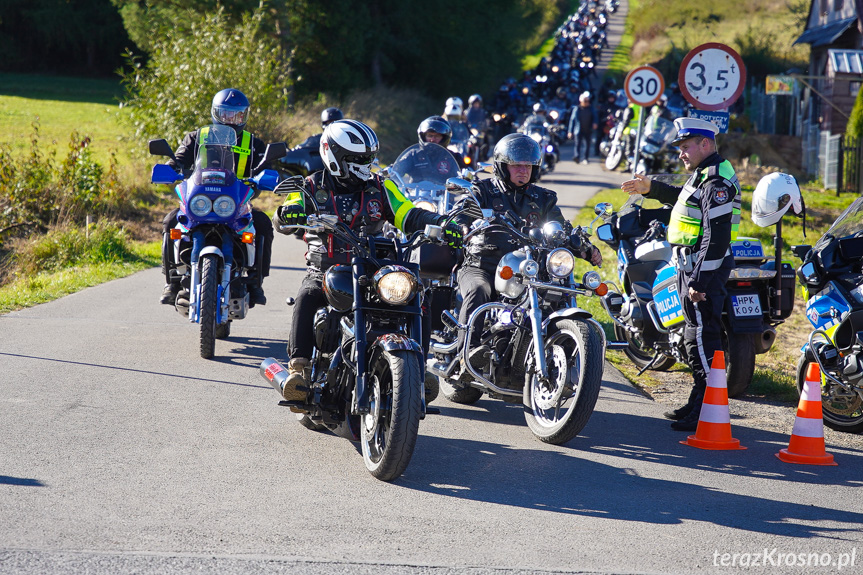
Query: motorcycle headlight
[560,263]
[536,137]
[396,285]
[554,114]
[426,205]
[224,206]
[591,279]
[201,205]
[549,148]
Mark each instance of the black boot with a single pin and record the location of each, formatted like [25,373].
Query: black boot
[169,293]
[690,422]
[256,295]
[681,412]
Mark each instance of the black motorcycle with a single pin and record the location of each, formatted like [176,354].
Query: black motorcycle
[303,159]
[366,370]
[545,351]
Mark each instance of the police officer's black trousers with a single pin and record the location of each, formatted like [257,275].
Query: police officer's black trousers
[476,288]
[702,335]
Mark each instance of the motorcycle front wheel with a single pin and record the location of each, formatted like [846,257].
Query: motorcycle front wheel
[842,412]
[614,157]
[388,433]
[209,304]
[557,410]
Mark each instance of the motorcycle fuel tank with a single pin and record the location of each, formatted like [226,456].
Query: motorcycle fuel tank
[339,287]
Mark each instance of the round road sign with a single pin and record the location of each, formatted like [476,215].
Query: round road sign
[644,85]
[712,76]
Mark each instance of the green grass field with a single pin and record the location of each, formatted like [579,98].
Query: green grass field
[62,105]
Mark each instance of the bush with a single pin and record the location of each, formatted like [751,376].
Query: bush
[68,246]
[37,192]
[173,92]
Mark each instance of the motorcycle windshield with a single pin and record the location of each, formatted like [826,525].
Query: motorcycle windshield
[425,166]
[660,130]
[215,150]
[849,223]
[459,132]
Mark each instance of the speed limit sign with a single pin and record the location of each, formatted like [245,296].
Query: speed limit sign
[712,76]
[644,85]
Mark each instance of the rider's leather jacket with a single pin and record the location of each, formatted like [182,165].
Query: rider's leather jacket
[533,204]
[364,207]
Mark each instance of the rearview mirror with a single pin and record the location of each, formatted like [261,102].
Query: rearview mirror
[161,147]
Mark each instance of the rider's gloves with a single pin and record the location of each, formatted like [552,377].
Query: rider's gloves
[292,215]
[453,235]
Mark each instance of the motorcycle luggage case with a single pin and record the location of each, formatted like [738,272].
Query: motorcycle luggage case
[435,261]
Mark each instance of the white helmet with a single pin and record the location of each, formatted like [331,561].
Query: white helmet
[454,101]
[454,108]
[773,195]
[348,148]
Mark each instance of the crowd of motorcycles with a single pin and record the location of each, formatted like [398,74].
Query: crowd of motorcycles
[370,380]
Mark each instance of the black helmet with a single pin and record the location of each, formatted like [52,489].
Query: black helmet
[231,108]
[330,115]
[516,149]
[437,124]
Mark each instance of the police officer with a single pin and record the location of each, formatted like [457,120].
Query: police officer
[703,224]
[230,108]
[348,189]
[516,160]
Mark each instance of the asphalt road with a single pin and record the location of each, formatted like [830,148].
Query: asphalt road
[122,451]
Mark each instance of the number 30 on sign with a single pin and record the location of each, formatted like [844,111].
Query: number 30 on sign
[644,85]
[712,77]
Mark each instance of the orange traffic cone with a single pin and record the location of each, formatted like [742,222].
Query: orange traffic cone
[714,422]
[807,437]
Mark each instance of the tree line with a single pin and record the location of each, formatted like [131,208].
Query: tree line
[337,46]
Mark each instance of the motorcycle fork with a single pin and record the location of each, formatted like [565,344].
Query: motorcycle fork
[536,330]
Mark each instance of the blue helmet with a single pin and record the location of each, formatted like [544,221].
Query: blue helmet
[231,108]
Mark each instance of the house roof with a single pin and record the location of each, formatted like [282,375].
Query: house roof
[846,61]
[827,34]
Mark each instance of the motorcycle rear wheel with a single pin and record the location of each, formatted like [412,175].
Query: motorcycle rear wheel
[637,353]
[209,304]
[574,358]
[739,363]
[388,433]
[849,423]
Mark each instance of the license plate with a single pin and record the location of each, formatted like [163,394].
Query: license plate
[746,305]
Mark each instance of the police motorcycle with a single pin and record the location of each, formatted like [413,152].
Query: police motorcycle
[832,273]
[366,370]
[546,352]
[645,307]
[655,152]
[214,240]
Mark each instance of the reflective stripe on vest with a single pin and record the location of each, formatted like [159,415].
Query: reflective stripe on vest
[398,202]
[244,150]
[685,226]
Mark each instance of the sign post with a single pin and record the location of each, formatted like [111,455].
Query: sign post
[643,85]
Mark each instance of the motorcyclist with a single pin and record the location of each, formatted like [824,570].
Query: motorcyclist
[517,160]
[453,109]
[230,108]
[348,189]
[434,130]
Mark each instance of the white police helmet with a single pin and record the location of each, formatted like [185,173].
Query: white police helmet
[773,196]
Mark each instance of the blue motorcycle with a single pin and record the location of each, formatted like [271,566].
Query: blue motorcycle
[214,240]
[832,273]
